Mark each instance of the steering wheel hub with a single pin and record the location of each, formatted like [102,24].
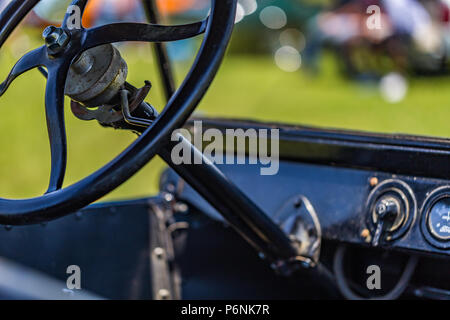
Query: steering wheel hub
[96,76]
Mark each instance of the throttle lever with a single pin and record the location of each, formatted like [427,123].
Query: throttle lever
[387,210]
[378,233]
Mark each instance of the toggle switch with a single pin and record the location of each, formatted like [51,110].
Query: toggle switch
[391,208]
[388,215]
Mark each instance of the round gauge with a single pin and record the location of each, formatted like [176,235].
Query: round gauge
[439,219]
[435,223]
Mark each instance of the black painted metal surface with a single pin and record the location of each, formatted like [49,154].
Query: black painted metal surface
[339,196]
[216,263]
[109,242]
[244,215]
[337,184]
[394,153]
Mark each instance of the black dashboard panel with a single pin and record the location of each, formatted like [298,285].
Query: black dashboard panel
[344,175]
[339,196]
[391,153]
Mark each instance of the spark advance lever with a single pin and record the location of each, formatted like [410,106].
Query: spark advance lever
[386,212]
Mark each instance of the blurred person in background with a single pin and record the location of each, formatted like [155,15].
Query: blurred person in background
[410,38]
[47,12]
[419,34]
[99,12]
[108,11]
[340,27]
[170,7]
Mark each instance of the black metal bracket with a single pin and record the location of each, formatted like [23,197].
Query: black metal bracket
[165,280]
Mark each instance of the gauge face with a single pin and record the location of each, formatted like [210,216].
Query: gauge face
[439,219]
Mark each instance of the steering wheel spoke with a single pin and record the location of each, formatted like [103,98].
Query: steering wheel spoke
[54,107]
[119,32]
[33,59]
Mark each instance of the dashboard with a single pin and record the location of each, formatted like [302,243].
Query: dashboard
[345,200]
[354,182]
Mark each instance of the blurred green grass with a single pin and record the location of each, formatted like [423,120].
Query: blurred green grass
[246,87]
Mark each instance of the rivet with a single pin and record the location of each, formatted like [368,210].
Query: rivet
[163,294]
[373,181]
[181,207]
[171,187]
[168,197]
[159,252]
[365,233]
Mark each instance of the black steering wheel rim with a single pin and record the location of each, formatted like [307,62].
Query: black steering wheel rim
[64,201]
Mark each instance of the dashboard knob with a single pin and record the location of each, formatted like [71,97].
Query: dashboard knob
[387,216]
[391,210]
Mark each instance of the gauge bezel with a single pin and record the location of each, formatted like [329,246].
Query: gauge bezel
[434,197]
[405,194]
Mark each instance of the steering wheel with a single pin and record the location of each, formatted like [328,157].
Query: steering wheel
[59,201]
